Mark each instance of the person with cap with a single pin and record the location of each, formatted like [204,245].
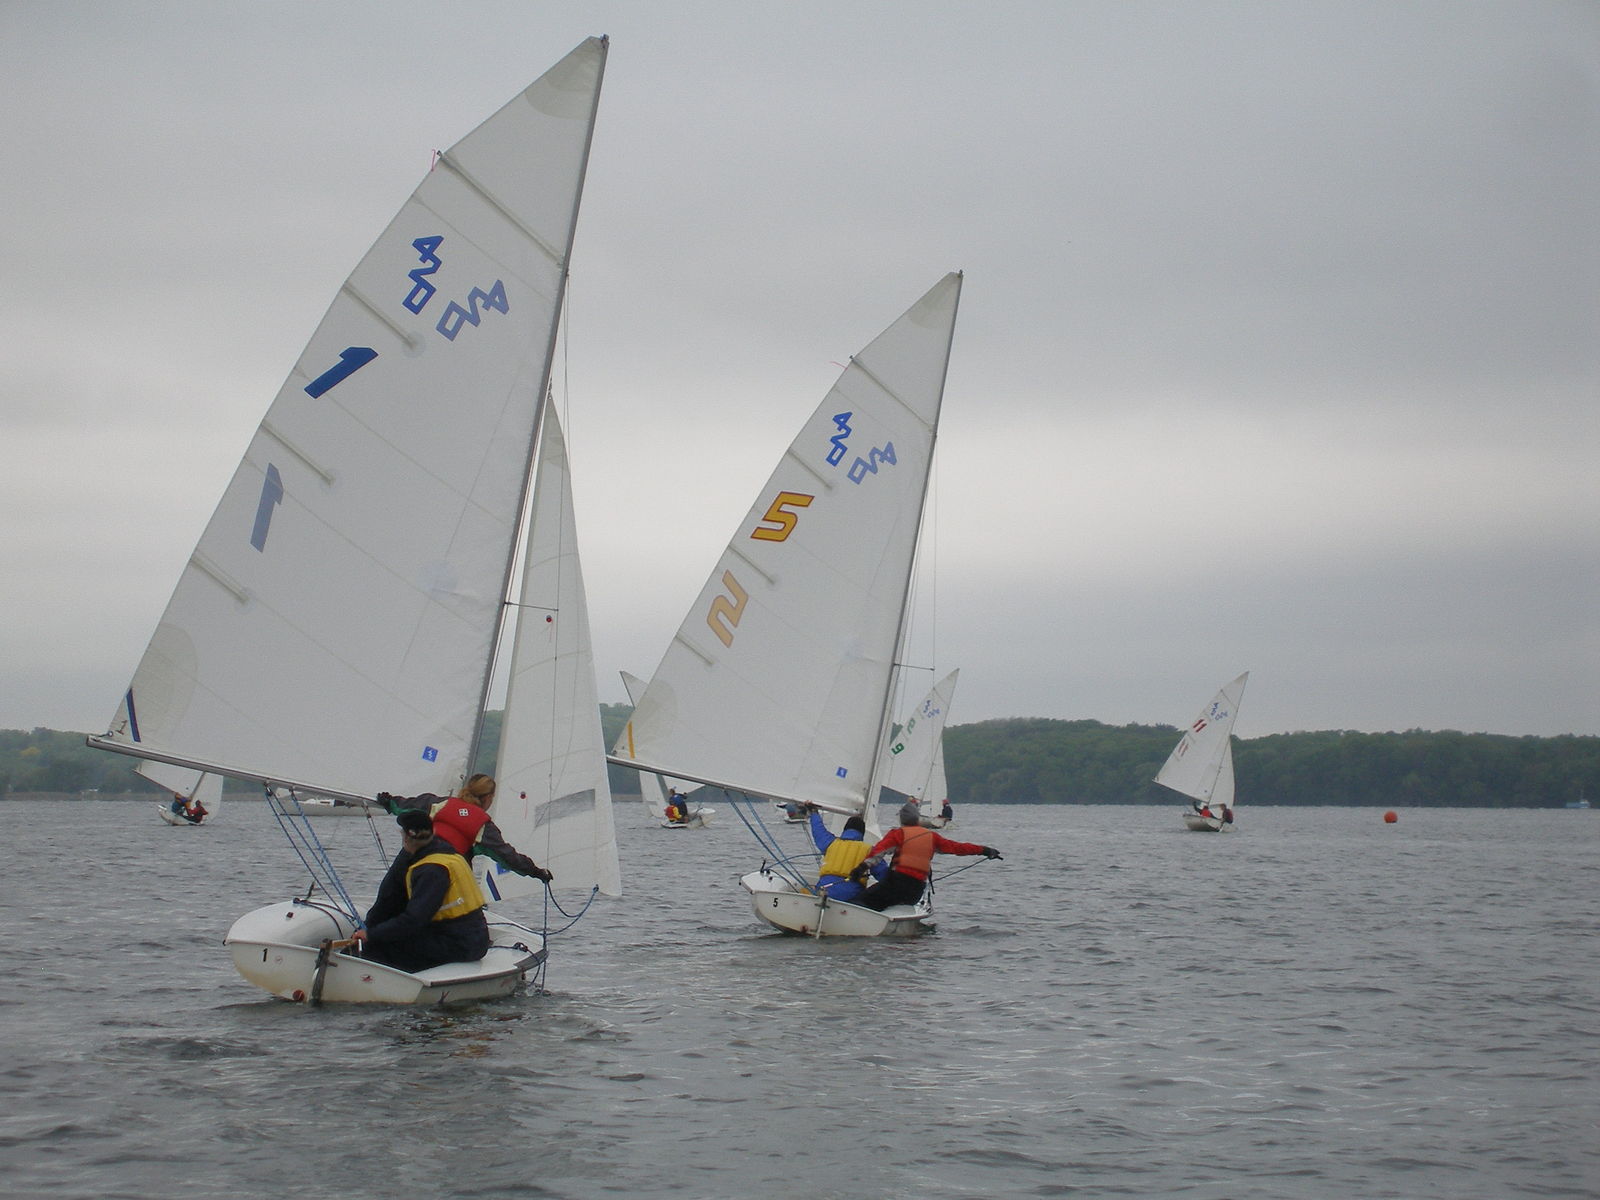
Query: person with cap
[914,847]
[464,822]
[429,909]
[842,856]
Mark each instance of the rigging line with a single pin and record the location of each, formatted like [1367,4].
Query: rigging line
[305,843]
[572,918]
[752,819]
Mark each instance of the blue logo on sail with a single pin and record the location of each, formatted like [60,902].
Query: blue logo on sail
[429,754]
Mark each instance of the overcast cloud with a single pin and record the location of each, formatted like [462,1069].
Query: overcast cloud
[1277,348]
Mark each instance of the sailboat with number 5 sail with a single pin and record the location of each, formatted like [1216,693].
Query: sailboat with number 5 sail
[780,682]
[334,633]
[1201,765]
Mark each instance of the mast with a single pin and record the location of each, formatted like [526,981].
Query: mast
[885,714]
[514,549]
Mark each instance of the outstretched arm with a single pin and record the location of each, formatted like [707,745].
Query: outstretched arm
[494,844]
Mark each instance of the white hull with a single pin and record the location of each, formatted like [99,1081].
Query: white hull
[778,902]
[172,818]
[1201,824]
[277,949]
[320,807]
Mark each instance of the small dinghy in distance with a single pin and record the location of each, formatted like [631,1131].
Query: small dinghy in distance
[191,787]
[1201,765]
[653,790]
[334,633]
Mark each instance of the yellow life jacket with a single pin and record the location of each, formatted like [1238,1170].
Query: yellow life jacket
[843,856]
[463,895]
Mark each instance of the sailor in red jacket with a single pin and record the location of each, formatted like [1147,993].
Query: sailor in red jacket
[914,847]
[464,822]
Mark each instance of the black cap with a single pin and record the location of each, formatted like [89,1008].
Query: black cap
[414,820]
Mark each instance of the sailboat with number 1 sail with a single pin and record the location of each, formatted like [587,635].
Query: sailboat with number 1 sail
[334,633]
[779,684]
[1201,765]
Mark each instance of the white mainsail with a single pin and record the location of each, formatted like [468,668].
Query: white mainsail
[915,758]
[553,800]
[778,682]
[335,627]
[1201,765]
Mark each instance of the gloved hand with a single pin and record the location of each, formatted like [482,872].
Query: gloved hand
[991,852]
[543,874]
[385,799]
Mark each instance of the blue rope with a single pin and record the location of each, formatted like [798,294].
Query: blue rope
[749,810]
[313,855]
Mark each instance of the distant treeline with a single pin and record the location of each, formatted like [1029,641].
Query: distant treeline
[1026,760]
[1029,760]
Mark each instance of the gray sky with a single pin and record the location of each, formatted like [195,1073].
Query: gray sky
[1277,348]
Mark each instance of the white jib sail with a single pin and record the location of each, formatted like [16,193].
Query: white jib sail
[1201,765]
[778,680]
[335,625]
[552,799]
[911,756]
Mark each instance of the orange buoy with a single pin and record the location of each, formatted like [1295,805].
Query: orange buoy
[1389,818]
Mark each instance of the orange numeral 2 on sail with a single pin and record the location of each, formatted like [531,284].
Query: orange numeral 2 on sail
[725,613]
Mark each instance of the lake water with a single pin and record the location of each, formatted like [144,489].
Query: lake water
[1320,1005]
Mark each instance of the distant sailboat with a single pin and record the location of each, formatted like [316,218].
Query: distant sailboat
[1201,765]
[654,790]
[779,683]
[196,796]
[334,633]
[914,758]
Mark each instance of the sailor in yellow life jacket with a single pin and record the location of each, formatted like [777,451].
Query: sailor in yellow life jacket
[841,853]
[429,909]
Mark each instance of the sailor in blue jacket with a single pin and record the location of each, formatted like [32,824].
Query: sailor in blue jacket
[841,854]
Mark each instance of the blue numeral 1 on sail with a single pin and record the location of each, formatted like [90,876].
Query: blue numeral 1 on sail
[351,360]
[271,497]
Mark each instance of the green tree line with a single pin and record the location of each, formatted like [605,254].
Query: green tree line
[1032,760]
[1026,760]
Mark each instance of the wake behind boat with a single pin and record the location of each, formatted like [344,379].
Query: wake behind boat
[780,683]
[334,633]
